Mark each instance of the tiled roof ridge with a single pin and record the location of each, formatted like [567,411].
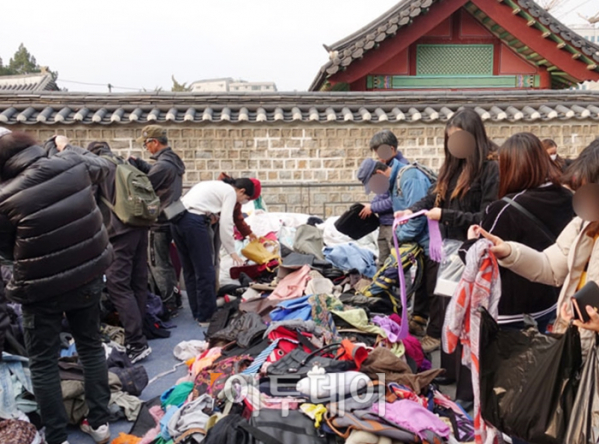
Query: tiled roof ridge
[105,109]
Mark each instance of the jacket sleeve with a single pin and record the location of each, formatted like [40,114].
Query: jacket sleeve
[549,267]
[239,220]
[140,164]
[427,202]
[489,189]
[382,203]
[414,187]
[226,222]
[7,238]
[97,167]
[160,175]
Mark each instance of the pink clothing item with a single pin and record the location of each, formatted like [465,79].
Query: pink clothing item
[413,347]
[157,413]
[413,417]
[293,285]
[390,328]
[414,351]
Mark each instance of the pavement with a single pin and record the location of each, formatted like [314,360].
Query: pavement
[161,360]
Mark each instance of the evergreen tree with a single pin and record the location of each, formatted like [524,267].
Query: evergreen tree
[23,62]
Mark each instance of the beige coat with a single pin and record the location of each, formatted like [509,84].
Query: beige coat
[561,264]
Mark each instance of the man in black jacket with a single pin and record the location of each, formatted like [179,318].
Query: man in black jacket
[52,230]
[166,175]
[127,276]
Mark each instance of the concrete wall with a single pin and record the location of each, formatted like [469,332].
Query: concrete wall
[304,167]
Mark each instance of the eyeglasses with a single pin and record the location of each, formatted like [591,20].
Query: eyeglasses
[148,141]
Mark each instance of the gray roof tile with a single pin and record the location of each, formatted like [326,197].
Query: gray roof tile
[281,108]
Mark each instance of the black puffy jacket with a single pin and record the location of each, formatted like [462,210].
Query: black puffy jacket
[50,225]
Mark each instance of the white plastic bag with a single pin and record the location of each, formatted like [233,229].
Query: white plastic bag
[450,269]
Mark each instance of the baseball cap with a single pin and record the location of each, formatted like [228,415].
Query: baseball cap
[257,189]
[365,172]
[151,132]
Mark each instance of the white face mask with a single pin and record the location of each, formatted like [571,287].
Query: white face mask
[553,156]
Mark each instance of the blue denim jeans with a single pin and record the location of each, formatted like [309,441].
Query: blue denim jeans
[42,322]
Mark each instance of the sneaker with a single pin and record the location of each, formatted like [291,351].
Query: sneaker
[418,326]
[101,435]
[203,324]
[136,354]
[430,344]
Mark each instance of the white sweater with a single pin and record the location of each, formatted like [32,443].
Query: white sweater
[216,197]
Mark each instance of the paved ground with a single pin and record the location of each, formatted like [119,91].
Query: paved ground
[159,361]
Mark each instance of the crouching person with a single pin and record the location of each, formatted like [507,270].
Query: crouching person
[51,228]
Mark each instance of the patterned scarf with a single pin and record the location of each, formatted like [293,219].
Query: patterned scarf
[480,286]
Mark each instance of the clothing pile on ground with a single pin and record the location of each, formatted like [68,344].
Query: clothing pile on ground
[302,357]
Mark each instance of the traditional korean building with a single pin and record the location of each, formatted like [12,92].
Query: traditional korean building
[460,44]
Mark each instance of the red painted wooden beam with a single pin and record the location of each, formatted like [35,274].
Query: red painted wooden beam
[515,25]
[404,38]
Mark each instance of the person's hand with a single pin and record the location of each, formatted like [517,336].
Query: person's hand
[403,213]
[500,249]
[473,232]
[565,311]
[61,142]
[252,237]
[593,323]
[237,261]
[434,214]
[366,211]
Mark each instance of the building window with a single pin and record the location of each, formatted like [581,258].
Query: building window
[454,60]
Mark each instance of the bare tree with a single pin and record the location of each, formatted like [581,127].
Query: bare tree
[549,5]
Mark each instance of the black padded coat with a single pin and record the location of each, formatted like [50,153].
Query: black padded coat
[50,226]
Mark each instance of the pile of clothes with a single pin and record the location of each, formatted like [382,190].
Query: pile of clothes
[302,356]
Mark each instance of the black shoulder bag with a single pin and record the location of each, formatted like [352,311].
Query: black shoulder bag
[532,217]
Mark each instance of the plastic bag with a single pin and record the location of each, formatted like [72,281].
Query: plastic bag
[528,380]
[584,421]
[450,269]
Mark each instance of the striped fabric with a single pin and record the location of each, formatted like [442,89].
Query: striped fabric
[260,359]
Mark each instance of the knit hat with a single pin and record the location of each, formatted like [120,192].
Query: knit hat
[257,189]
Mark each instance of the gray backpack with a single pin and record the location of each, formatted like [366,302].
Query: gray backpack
[430,174]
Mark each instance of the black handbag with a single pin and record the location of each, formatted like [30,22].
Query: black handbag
[298,363]
[351,224]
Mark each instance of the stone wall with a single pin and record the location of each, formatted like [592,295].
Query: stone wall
[306,168]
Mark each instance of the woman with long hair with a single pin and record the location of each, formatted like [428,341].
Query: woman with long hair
[468,182]
[199,232]
[573,260]
[533,209]
[464,188]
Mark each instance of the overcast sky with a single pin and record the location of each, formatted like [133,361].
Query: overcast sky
[141,43]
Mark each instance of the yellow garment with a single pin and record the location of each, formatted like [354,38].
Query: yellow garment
[315,412]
